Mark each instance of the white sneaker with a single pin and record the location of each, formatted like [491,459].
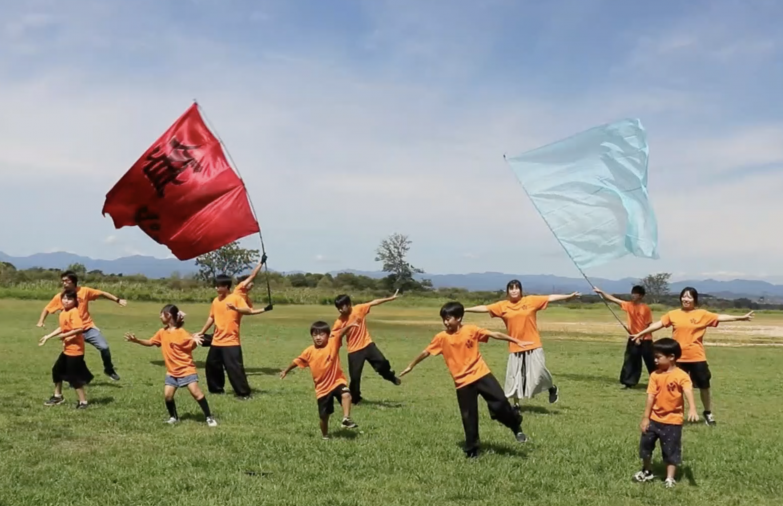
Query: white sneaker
[643,476]
[669,483]
[211,422]
[172,421]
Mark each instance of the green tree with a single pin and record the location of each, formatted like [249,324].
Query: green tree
[656,286]
[393,253]
[78,268]
[231,260]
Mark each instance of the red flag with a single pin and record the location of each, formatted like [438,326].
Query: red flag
[183,193]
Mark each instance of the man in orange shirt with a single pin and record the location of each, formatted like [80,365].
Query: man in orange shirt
[323,359]
[636,350]
[663,414]
[459,345]
[92,334]
[360,345]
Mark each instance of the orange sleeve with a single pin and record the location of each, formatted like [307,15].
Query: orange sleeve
[54,305]
[338,324]
[239,302]
[335,336]
[434,347]
[212,310]
[303,360]
[540,302]
[666,320]
[363,310]
[156,339]
[685,382]
[648,314]
[710,319]
[652,386]
[482,335]
[91,294]
[496,309]
[625,305]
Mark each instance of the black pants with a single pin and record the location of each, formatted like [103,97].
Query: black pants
[499,409]
[378,362]
[632,363]
[230,358]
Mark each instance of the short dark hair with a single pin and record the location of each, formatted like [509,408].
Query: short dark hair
[341,300]
[639,289]
[668,347]
[223,280]
[693,292]
[71,294]
[71,276]
[449,309]
[173,311]
[320,327]
[514,283]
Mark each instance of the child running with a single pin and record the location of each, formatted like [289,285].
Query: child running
[323,359]
[636,350]
[663,414]
[689,326]
[459,345]
[70,365]
[526,372]
[177,346]
[361,349]
[91,333]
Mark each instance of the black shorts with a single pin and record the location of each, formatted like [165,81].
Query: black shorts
[671,442]
[699,373]
[326,403]
[71,369]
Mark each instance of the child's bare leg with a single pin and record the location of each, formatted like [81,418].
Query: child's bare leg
[197,394]
[58,389]
[168,395]
[706,399]
[345,401]
[670,470]
[82,396]
[325,424]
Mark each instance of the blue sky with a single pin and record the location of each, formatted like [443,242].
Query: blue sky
[350,120]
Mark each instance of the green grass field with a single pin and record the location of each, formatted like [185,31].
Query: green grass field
[408,448]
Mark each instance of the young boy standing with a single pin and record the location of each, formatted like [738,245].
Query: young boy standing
[323,359]
[637,349]
[91,333]
[360,345]
[459,345]
[663,414]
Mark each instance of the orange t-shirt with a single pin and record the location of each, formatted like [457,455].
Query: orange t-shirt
[244,293]
[324,364]
[689,329]
[461,353]
[83,295]
[70,320]
[667,387]
[177,347]
[639,318]
[226,320]
[358,338]
[520,319]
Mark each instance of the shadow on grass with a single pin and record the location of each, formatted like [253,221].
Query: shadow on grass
[101,401]
[496,449]
[659,469]
[196,417]
[608,380]
[381,404]
[344,434]
[250,371]
[102,384]
[537,409]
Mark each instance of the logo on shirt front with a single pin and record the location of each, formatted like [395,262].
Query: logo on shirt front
[693,321]
[671,387]
[469,344]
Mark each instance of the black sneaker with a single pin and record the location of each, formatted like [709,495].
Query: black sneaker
[113,375]
[81,405]
[554,394]
[709,419]
[54,401]
[349,424]
[472,454]
[521,437]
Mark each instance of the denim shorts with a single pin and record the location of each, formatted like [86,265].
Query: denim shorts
[181,382]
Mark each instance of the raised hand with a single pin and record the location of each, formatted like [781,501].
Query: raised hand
[122,302]
[130,338]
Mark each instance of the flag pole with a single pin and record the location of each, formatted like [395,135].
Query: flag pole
[572,258]
[250,201]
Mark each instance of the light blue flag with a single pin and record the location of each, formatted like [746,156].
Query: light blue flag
[591,189]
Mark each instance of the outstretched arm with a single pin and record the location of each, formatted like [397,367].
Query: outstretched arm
[477,309]
[41,320]
[288,369]
[730,318]
[253,273]
[422,356]
[248,311]
[504,337]
[114,298]
[654,327]
[609,297]
[377,302]
[131,338]
[207,326]
[59,334]
[556,298]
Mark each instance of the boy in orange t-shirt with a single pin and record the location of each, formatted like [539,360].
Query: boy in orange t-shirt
[70,365]
[639,349]
[459,345]
[177,346]
[663,414]
[323,359]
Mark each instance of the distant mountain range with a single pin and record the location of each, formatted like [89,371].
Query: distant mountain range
[161,268]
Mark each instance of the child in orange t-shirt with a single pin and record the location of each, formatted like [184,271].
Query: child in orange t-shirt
[459,345]
[663,414]
[177,346]
[323,359]
[638,349]
[70,365]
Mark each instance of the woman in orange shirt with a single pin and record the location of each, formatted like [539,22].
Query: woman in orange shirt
[177,346]
[689,324]
[526,372]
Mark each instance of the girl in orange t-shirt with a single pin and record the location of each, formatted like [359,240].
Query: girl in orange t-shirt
[70,365]
[177,346]
[689,324]
[526,372]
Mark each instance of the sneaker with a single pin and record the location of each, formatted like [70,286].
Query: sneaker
[643,476]
[325,438]
[669,483]
[349,424]
[397,381]
[709,419]
[113,375]
[81,405]
[172,420]
[473,454]
[211,421]
[554,395]
[521,437]
[243,397]
[54,401]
